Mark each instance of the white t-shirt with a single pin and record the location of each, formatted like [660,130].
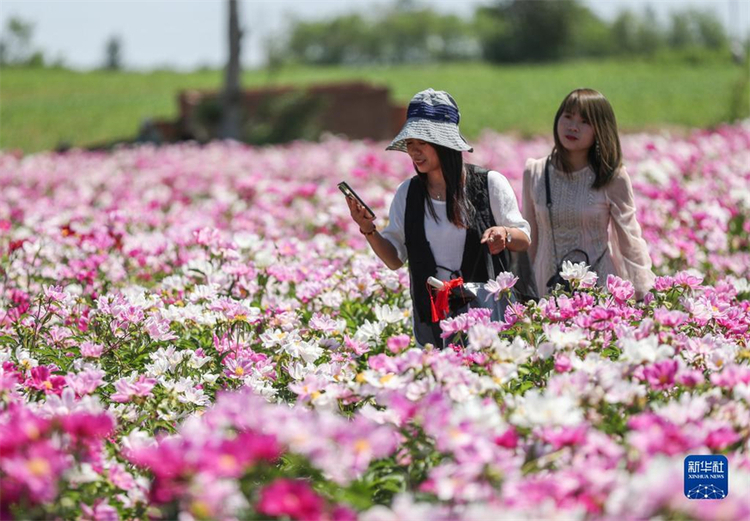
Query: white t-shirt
[445,238]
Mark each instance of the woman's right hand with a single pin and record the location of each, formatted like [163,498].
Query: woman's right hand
[361,216]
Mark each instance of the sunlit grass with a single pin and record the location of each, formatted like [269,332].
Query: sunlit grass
[42,108]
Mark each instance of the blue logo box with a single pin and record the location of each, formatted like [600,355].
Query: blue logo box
[706,477]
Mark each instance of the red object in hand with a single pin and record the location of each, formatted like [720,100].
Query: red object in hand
[440,305]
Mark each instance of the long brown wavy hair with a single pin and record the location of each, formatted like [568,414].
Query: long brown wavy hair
[605,155]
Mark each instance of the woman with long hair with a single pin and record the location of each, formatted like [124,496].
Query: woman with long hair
[451,219]
[579,199]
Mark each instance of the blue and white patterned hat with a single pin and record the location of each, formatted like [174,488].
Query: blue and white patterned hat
[432,116]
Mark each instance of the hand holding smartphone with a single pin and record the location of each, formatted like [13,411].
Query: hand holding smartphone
[347,191]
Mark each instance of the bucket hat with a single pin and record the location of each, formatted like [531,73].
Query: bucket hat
[432,116]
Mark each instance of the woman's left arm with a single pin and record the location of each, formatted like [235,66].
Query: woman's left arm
[512,231]
[629,249]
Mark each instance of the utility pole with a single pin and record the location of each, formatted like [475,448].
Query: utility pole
[231,123]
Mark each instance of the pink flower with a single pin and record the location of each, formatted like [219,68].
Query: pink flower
[688,280]
[562,363]
[562,436]
[501,285]
[690,378]
[508,439]
[398,343]
[661,375]
[621,290]
[36,471]
[233,457]
[101,510]
[292,498]
[730,376]
[91,350]
[669,318]
[663,283]
[158,329]
[84,425]
[125,389]
[85,382]
[722,438]
[42,380]
[652,434]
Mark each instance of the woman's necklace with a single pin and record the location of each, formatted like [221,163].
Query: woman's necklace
[438,196]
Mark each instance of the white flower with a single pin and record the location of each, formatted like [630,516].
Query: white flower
[741,285]
[369,331]
[516,352]
[383,381]
[481,336]
[170,356]
[645,350]
[84,473]
[298,348]
[504,372]
[570,338]
[204,292]
[158,368]
[195,361]
[265,258]
[210,378]
[578,272]
[536,409]
[332,299]
[387,415]
[389,314]
[260,385]
[298,370]
[194,396]
[245,240]
[25,360]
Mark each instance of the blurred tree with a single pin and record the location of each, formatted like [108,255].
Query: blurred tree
[503,31]
[403,33]
[694,28]
[531,30]
[16,44]
[634,34]
[231,121]
[113,54]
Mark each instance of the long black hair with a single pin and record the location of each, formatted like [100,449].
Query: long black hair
[458,206]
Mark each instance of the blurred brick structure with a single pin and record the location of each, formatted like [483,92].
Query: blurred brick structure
[356,110]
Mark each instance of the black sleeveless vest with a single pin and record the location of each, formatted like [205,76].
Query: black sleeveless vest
[474,263]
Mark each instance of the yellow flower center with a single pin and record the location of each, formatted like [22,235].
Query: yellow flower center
[227,462]
[361,445]
[385,379]
[239,371]
[200,509]
[38,467]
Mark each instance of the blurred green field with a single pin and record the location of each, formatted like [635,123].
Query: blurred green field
[41,108]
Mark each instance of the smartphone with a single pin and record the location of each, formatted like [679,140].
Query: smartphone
[347,191]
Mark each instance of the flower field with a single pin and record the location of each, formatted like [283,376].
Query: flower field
[201,333]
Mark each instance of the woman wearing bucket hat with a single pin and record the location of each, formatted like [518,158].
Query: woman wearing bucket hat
[451,219]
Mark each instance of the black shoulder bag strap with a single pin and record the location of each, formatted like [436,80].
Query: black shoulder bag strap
[549,205]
